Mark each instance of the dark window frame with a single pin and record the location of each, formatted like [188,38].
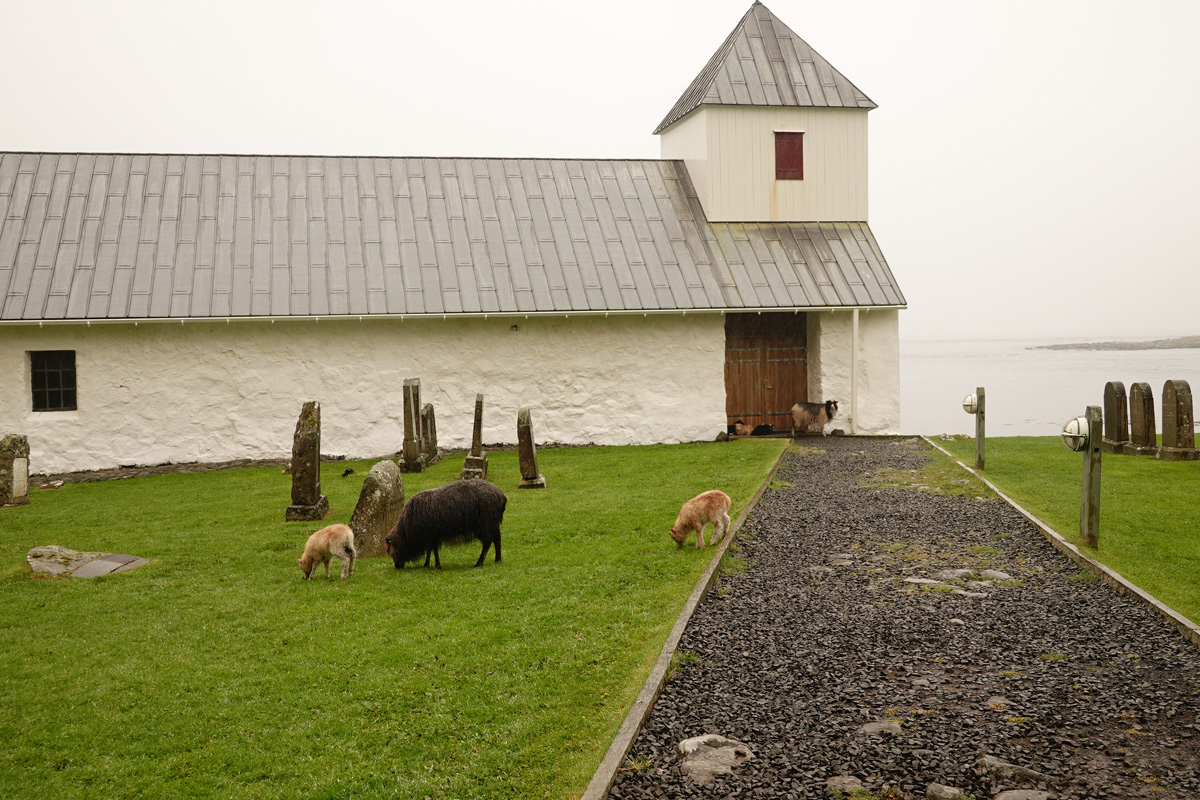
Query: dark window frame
[52,380]
[789,155]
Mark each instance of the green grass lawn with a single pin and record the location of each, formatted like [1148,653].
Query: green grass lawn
[1149,509]
[217,671]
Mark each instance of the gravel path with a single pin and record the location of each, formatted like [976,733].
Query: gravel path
[821,634]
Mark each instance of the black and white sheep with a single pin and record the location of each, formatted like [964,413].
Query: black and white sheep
[452,514]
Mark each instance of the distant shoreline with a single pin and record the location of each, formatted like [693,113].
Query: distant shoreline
[1179,343]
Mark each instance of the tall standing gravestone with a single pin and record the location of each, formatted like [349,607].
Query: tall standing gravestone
[1179,437]
[429,435]
[307,501]
[1143,433]
[379,506]
[475,465]
[1116,418]
[14,470]
[413,456]
[527,453]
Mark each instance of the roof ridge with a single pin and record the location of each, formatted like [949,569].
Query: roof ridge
[313,155]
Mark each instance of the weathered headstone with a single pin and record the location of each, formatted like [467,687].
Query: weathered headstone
[527,453]
[1116,418]
[307,501]
[413,455]
[475,465]
[1179,435]
[1143,433]
[429,434]
[14,470]
[379,505]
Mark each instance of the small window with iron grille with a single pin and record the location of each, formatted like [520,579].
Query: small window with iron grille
[789,156]
[53,380]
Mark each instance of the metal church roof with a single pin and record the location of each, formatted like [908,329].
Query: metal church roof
[129,237]
[763,63]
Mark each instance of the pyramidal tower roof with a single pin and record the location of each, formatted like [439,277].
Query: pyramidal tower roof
[763,63]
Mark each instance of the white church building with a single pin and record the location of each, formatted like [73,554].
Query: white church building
[163,308]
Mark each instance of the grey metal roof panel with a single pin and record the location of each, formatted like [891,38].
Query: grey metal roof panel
[763,63]
[132,237]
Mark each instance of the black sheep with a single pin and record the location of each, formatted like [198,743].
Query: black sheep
[452,514]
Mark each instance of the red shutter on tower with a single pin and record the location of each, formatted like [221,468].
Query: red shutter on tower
[789,156]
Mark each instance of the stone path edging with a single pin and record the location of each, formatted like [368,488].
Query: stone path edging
[1189,629]
[606,773]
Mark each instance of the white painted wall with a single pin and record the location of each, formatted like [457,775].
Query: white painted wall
[829,366]
[160,392]
[730,155]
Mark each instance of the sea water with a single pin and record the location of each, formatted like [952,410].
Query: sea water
[1029,392]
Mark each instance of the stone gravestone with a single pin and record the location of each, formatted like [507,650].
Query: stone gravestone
[429,432]
[1116,418]
[413,456]
[527,453]
[1179,437]
[14,470]
[307,501]
[1142,430]
[379,505]
[475,465]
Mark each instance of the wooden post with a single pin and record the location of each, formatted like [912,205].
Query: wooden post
[979,432]
[1089,512]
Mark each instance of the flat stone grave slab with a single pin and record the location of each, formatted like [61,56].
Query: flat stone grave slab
[55,560]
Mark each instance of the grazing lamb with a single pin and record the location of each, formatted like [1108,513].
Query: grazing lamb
[326,544]
[452,514]
[708,508]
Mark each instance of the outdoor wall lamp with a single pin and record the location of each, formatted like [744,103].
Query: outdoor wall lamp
[1075,434]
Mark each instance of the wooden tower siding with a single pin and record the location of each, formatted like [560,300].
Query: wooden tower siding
[766,367]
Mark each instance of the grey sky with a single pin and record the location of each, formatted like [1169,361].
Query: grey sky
[1033,166]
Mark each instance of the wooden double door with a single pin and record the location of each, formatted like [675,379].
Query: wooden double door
[766,367]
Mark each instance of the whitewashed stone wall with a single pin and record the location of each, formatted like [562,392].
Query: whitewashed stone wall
[830,334]
[161,392]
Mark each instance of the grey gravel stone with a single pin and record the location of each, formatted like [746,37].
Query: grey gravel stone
[844,784]
[937,791]
[706,757]
[954,575]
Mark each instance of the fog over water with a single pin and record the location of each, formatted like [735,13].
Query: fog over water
[1029,392]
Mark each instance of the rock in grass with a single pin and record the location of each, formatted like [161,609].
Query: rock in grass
[52,559]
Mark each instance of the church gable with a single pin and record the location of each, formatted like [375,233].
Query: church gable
[763,63]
